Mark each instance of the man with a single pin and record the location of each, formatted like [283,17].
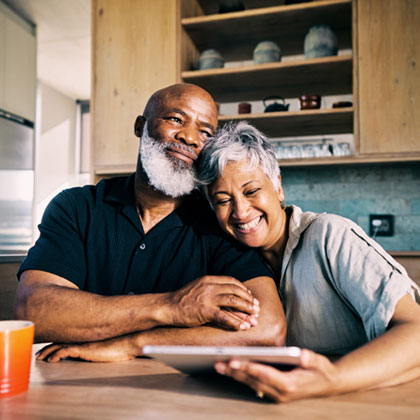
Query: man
[120,264]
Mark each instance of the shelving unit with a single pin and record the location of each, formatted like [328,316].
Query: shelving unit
[325,76]
[235,36]
[300,123]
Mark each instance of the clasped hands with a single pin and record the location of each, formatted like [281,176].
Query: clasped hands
[217,300]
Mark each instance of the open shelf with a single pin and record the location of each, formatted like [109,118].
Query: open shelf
[236,34]
[299,123]
[322,76]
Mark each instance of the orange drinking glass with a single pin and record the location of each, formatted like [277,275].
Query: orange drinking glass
[16,338]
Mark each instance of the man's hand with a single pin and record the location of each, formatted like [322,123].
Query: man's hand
[316,376]
[114,350]
[219,300]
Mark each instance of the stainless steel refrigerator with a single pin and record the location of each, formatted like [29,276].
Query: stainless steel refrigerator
[16,183]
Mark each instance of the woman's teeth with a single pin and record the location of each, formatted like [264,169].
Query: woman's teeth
[249,225]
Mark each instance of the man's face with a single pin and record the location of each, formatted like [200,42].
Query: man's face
[181,122]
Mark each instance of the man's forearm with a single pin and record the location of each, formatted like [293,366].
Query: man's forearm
[69,315]
[270,330]
[63,313]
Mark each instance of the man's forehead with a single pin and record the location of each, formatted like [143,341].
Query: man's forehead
[184,102]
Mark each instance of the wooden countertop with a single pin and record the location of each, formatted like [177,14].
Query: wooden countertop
[146,389]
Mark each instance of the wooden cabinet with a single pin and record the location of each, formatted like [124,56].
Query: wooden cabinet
[389,76]
[140,46]
[134,54]
[379,81]
[18,65]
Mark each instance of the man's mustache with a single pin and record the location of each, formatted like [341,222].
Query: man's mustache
[181,147]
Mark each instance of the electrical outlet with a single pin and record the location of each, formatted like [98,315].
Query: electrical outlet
[381,225]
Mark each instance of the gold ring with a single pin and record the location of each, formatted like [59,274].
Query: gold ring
[260,394]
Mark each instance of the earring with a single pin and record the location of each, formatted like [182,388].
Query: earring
[283,204]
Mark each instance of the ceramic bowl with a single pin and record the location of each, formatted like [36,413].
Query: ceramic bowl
[310,101]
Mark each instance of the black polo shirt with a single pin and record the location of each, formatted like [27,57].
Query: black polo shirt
[93,237]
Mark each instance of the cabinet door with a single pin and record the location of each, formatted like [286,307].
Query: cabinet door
[389,75]
[134,54]
[2,56]
[19,68]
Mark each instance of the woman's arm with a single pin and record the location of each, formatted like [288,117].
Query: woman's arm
[388,360]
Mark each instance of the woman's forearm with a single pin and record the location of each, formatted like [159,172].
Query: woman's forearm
[390,359]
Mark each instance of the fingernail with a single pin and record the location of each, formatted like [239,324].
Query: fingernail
[220,368]
[256,308]
[256,302]
[253,321]
[244,326]
[235,364]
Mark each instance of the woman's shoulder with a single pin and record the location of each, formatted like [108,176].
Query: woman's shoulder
[333,222]
[320,222]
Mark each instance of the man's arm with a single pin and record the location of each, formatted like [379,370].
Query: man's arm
[63,313]
[270,330]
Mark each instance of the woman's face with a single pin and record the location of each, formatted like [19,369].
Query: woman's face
[247,206]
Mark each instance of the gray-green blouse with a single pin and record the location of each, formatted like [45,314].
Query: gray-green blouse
[339,287]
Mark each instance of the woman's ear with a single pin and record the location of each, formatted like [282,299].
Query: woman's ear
[139,125]
[280,192]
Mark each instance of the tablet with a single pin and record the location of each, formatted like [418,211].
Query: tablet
[201,359]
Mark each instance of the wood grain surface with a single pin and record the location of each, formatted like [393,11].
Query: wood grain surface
[145,389]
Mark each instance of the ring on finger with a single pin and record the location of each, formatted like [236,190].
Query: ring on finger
[260,394]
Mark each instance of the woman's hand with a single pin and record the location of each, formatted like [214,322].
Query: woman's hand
[113,350]
[315,376]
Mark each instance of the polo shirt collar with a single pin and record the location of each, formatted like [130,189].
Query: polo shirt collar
[122,194]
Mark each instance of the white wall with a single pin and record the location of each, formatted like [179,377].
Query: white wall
[55,145]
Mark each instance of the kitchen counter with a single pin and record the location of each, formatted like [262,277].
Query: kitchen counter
[146,389]
[12,256]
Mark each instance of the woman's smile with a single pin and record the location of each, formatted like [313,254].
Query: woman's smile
[247,206]
[250,226]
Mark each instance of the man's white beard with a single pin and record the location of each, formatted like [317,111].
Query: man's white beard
[167,174]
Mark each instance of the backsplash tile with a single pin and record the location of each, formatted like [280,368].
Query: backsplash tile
[356,192]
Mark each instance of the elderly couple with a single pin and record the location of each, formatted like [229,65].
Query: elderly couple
[142,260]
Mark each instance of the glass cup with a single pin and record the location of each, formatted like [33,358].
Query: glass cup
[16,338]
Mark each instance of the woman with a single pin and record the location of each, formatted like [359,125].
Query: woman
[343,295]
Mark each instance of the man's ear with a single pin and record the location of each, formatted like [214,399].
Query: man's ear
[139,125]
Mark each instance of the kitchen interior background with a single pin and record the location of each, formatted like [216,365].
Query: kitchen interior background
[352,191]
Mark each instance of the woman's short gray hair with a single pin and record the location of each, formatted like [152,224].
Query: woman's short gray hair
[236,141]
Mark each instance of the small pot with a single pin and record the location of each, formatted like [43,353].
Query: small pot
[244,108]
[310,102]
[210,59]
[320,41]
[266,52]
[342,104]
[276,106]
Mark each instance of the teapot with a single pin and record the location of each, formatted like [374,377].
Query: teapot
[276,106]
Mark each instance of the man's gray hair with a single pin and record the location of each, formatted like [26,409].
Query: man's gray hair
[236,141]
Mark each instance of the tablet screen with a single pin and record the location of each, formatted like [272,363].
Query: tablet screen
[197,359]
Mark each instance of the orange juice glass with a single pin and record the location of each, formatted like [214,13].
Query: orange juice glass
[16,338]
